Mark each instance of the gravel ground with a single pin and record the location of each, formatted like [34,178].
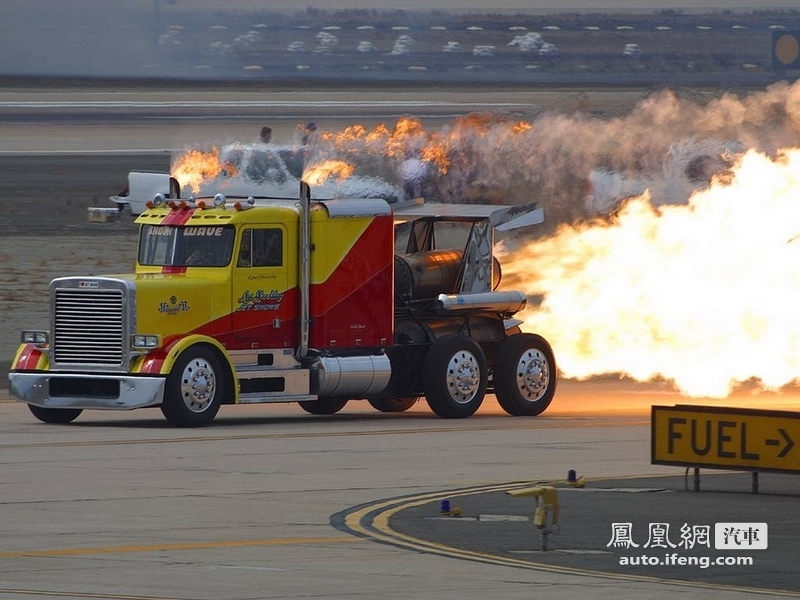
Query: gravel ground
[44,202]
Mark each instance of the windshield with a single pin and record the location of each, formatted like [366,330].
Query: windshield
[165,245]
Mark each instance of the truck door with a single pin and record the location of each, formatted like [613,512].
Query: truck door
[263,308]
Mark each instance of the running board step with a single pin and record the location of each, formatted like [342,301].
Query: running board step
[274,385]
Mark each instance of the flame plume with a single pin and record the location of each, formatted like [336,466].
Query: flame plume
[705,294]
[328,169]
[194,167]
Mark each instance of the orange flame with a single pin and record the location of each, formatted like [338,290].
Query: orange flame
[318,174]
[705,294]
[407,138]
[194,167]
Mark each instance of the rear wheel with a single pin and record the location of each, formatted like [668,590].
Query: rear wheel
[455,377]
[194,388]
[55,415]
[393,405]
[524,374]
[322,407]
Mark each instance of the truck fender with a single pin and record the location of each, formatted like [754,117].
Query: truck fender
[30,358]
[162,360]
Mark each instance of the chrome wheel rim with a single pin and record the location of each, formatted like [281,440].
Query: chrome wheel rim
[533,375]
[198,385]
[463,377]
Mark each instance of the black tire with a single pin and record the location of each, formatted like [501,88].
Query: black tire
[55,415]
[455,377]
[524,375]
[194,388]
[323,407]
[393,405]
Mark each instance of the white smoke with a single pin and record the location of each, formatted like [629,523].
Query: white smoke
[668,143]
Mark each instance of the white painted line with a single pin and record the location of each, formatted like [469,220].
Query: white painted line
[617,490]
[248,104]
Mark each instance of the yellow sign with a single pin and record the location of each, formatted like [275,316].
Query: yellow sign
[733,438]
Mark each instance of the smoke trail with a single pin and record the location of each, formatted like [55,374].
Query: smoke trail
[668,143]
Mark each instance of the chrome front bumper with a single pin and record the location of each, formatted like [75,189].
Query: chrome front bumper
[133,392]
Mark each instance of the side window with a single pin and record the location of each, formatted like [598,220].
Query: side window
[246,249]
[261,248]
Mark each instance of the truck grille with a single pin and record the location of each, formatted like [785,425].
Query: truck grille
[88,327]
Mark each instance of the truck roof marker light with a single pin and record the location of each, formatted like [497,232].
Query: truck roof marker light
[249,203]
[201,204]
[157,200]
[219,200]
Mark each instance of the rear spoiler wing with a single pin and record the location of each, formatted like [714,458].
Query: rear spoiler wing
[501,218]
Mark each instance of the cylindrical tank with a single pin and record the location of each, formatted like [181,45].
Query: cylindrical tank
[426,274]
[423,275]
[351,376]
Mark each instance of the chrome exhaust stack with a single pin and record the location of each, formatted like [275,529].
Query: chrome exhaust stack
[304,276]
[508,302]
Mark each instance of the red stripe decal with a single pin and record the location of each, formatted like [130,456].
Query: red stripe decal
[153,362]
[173,269]
[178,216]
[29,358]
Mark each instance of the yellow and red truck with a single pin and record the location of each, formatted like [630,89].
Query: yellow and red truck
[258,300]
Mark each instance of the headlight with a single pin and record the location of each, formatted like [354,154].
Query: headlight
[38,338]
[144,341]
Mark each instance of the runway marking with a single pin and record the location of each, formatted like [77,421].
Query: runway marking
[318,434]
[127,549]
[372,521]
[92,596]
[257,104]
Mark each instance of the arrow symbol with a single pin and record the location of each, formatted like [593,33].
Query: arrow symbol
[789,443]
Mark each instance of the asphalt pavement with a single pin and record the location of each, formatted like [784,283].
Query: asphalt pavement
[493,526]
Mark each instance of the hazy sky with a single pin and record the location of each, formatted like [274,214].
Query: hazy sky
[43,7]
[120,37]
[509,4]
[496,4]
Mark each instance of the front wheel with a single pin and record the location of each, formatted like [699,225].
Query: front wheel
[194,388]
[524,375]
[392,405]
[322,407]
[455,376]
[55,415]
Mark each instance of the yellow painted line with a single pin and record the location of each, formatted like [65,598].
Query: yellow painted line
[180,546]
[386,534]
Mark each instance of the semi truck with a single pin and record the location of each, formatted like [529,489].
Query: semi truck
[317,301]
